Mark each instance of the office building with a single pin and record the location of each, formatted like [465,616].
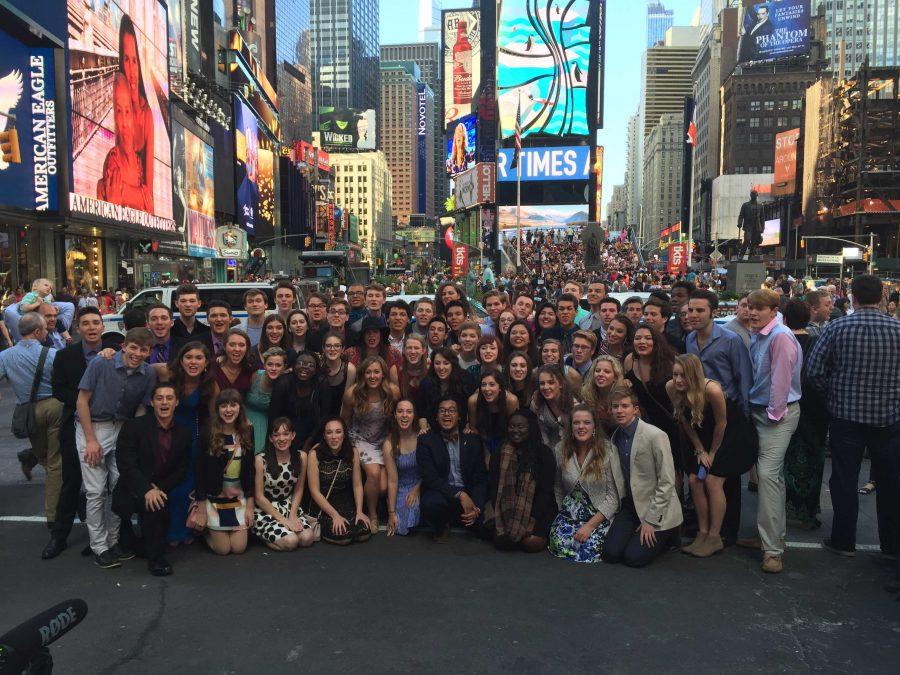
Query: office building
[663,155]
[290,66]
[633,171]
[667,74]
[615,210]
[659,20]
[429,21]
[363,185]
[407,108]
[345,55]
[868,29]
[428,57]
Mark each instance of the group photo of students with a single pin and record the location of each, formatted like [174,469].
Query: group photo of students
[612,433]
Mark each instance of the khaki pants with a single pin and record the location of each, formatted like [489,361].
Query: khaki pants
[99,482]
[771,517]
[45,446]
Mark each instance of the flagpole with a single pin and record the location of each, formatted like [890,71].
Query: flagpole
[518,221]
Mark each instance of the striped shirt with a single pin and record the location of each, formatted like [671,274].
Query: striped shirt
[856,363]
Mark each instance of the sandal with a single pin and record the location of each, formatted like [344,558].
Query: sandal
[373,525]
[868,488]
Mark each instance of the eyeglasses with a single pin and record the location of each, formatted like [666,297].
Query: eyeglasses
[337,311]
[318,305]
[333,346]
[580,348]
[446,412]
[356,293]
[305,365]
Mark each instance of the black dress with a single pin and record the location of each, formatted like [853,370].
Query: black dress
[735,455]
[656,409]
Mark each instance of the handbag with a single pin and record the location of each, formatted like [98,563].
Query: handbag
[194,506]
[317,528]
[24,423]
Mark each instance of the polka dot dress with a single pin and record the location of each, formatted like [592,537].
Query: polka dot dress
[279,489]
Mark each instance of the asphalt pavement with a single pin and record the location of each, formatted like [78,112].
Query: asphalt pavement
[408,604]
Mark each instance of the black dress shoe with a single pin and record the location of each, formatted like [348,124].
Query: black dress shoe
[87,551]
[159,567]
[106,560]
[121,553]
[53,548]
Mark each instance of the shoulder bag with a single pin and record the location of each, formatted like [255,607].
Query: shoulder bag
[317,528]
[23,419]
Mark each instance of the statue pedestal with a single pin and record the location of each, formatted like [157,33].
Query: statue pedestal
[745,275]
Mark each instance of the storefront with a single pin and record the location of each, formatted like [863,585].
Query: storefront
[84,262]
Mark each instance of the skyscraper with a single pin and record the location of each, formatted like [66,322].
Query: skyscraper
[429,20]
[633,171]
[428,57]
[667,75]
[868,28]
[345,54]
[290,67]
[659,20]
[663,153]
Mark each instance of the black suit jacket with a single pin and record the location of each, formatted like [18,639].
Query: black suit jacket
[179,331]
[136,459]
[433,461]
[69,365]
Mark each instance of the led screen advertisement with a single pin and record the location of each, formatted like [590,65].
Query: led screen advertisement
[27,93]
[254,173]
[551,163]
[347,128]
[177,64]
[462,142]
[543,61]
[462,61]
[773,29]
[541,217]
[194,191]
[772,232]
[121,145]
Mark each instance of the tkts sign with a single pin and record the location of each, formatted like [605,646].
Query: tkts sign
[677,258]
[459,262]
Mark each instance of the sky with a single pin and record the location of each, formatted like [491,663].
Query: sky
[625,42]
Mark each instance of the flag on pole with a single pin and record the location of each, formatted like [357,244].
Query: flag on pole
[692,130]
[515,161]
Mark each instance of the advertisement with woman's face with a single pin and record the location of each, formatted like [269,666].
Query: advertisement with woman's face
[121,147]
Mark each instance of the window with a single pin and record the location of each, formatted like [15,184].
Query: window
[754,122]
[754,105]
[769,105]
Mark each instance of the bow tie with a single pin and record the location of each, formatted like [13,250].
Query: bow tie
[451,438]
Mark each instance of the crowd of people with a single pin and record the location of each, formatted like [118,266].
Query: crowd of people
[615,432]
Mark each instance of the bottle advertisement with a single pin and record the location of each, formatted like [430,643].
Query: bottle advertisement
[462,61]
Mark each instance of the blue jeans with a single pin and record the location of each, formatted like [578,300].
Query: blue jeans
[847,441]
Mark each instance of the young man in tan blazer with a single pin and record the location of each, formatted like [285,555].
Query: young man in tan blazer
[647,522]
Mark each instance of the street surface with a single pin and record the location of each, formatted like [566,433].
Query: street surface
[401,605]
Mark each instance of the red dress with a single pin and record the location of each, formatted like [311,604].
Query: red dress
[242,383]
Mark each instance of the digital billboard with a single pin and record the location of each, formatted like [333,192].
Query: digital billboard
[194,191]
[773,29]
[255,172]
[27,92]
[462,142]
[462,61]
[347,128]
[543,61]
[421,142]
[177,63]
[121,148]
[552,163]
[541,217]
[772,232]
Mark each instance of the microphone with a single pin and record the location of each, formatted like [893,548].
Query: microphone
[20,645]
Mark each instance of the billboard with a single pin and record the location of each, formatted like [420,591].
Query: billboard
[475,186]
[462,142]
[347,128]
[421,143]
[194,192]
[542,217]
[121,148]
[785,162]
[459,263]
[772,232]
[552,163]
[543,61]
[462,61]
[678,253]
[177,63]
[773,29]
[27,92]
[255,172]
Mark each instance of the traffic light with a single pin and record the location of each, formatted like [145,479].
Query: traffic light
[9,146]
[867,255]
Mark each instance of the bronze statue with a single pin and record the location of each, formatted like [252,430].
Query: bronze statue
[751,221]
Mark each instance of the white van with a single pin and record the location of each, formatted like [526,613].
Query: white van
[232,293]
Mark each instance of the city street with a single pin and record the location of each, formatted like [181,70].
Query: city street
[412,605]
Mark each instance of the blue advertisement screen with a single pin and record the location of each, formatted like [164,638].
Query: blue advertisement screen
[543,59]
[27,104]
[421,138]
[567,163]
[461,144]
[773,30]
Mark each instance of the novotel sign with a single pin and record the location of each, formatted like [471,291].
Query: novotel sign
[554,163]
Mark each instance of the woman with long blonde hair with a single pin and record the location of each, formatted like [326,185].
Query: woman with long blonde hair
[699,406]
[587,476]
[604,374]
[367,409]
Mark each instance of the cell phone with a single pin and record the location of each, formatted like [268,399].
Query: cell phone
[701,474]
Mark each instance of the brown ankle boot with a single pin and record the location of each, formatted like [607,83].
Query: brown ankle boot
[698,541]
[711,545]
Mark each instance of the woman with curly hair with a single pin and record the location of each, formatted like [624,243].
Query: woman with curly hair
[367,409]
[552,403]
[619,337]
[587,477]
[605,373]
[225,477]
[520,339]
[521,475]
[415,365]
[234,367]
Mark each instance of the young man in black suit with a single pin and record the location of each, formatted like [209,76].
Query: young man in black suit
[187,302]
[152,454]
[454,476]
[68,368]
